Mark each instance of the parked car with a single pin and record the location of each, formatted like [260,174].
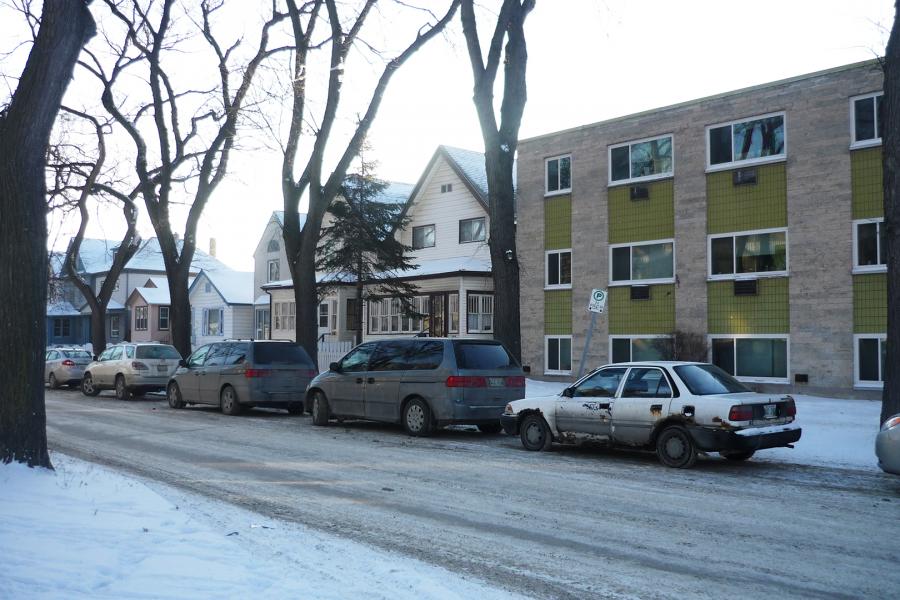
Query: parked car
[131,369]
[422,383]
[65,366]
[237,373]
[887,446]
[676,408]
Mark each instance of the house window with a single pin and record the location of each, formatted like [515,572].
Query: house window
[641,160]
[386,315]
[103,280]
[870,354]
[480,313]
[352,315]
[115,327]
[423,237]
[865,124]
[323,315]
[558,355]
[285,315]
[140,318]
[559,175]
[627,348]
[62,327]
[558,269]
[163,318]
[446,187]
[207,287]
[453,300]
[262,324]
[748,253]
[273,246]
[752,357]
[273,270]
[214,322]
[755,140]
[642,262]
[471,230]
[869,246]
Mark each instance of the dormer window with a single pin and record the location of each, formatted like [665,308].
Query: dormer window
[273,246]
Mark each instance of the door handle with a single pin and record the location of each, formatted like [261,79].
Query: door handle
[370,380]
[359,380]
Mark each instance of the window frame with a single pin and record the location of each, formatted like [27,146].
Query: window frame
[159,318]
[858,268]
[64,327]
[115,331]
[734,164]
[764,336]
[221,321]
[277,245]
[547,369]
[480,315]
[559,191]
[632,280]
[742,276]
[631,179]
[276,262]
[483,229]
[876,141]
[387,318]
[327,315]
[557,286]
[413,233]
[867,385]
[631,338]
[141,316]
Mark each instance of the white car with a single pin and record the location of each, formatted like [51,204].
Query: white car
[131,369]
[676,408]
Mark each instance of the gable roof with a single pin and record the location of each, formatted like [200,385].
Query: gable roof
[235,287]
[96,256]
[152,295]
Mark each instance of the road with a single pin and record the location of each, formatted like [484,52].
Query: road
[569,523]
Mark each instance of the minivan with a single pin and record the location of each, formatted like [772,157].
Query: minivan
[422,383]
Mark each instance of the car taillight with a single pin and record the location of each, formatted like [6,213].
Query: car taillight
[466,381]
[516,381]
[68,363]
[890,423]
[741,412]
[790,408]
[309,373]
[139,366]
[251,373]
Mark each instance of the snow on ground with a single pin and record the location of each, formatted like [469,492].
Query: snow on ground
[836,432]
[85,531]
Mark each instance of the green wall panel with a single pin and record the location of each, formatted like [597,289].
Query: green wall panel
[558,222]
[866,181]
[870,303]
[745,207]
[653,316]
[641,220]
[558,312]
[767,312]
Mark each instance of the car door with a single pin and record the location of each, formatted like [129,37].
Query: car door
[98,366]
[643,399]
[347,388]
[50,362]
[189,379]
[211,373]
[585,410]
[108,367]
[387,368]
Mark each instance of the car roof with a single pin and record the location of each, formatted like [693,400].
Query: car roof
[653,363]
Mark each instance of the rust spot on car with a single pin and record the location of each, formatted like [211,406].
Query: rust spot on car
[656,411]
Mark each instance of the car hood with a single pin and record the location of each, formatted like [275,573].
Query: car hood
[535,402]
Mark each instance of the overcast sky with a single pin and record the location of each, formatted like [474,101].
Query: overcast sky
[589,60]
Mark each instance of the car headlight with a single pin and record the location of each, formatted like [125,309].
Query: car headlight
[890,423]
[508,410]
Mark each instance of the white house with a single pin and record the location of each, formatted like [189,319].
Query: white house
[221,306]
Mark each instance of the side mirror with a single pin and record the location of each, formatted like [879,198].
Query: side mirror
[568,392]
[182,363]
[336,367]
[526,368]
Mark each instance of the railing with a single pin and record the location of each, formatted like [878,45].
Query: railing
[330,352]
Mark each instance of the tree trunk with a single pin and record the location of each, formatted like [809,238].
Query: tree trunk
[891,156]
[180,309]
[359,306]
[306,297]
[24,136]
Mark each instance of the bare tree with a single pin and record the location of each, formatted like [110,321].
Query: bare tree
[890,404]
[321,188]
[500,143]
[25,128]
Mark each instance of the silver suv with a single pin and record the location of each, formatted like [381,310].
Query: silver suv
[422,383]
[131,369]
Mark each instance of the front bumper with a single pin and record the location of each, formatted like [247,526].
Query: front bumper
[887,449]
[721,440]
[510,424]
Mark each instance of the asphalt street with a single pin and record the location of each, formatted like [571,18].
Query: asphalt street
[569,523]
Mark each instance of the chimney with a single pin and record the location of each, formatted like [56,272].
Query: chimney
[212,247]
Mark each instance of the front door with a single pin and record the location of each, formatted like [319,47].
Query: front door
[643,401]
[347,388]
[587,411]
[437,315]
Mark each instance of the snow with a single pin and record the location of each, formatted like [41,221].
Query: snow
[96,256]
[235,287]
[85,531]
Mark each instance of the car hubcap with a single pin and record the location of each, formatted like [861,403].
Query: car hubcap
[675,447]
[88,385]
[229,399]
[415,417]
[317,408]
[533,433]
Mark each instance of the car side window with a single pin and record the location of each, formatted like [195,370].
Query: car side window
[104,356]
[116,353]
[238,354]
[646,383]
[602,384]
[358,359]
[216,355]
[52,356]
[196,359]
[129,351]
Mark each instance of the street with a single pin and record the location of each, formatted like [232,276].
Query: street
[569,523]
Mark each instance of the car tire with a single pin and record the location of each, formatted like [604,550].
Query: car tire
[417,419]
[87,386]
[675,448]
[535,433]
[228,400]
[737,456]
[54,384]
[122,391]
[173,395]
[319,409]
[490,428]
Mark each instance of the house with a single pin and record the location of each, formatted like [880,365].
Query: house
[750,221]
[148,306]
[222,306]
[66,325]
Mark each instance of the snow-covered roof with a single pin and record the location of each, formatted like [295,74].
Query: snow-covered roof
[471,164]
[262,300]
[61,308]
[153,295]
[235,287]
[96,256]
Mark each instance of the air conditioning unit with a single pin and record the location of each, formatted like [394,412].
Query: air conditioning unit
[640,292]
[743,177]
[746,287]
[640,192]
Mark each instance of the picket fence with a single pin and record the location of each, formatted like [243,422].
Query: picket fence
[331,351]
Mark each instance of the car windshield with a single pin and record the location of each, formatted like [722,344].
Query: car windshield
[76,354]
[158,352]
[280,353]
[703,380]
[483,355]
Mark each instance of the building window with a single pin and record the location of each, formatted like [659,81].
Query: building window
[642,262]
[641,160]
[423,237]
[273,246]
[558,355]
[626,348]
[163,318]
[865,124]
[273,268]
[471,230]
[207,287]
[480,313]
[62,327]
[352,315]
[262,324]
[140,318]
[285,315]
[214,322]
[453,300]
[323,316]
[115,326]
[558,269]
[559,175]
[386,315]
[748,253]
[752,357]
[103,280]
[870,353]
[446,187]
[869,246]
[755,140]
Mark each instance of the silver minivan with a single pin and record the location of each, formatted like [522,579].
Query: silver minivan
[422,383]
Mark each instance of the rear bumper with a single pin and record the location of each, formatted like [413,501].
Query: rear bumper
[146,382]
[472,415]
[719,440]
[510,424]
[276,399]
[887,449]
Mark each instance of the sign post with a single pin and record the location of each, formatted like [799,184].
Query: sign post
[596,305]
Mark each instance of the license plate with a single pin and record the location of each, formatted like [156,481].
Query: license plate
[495,381]
[770,411]
[162,368]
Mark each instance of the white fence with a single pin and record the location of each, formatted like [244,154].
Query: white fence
[330,352]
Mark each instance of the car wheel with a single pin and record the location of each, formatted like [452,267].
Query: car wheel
[675,448]
[229,401]
[319,409]
[173,395]
[535,433]
[87,386]
[738,455]
[122,392]
[490,428]
[417,418]
[54,384]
